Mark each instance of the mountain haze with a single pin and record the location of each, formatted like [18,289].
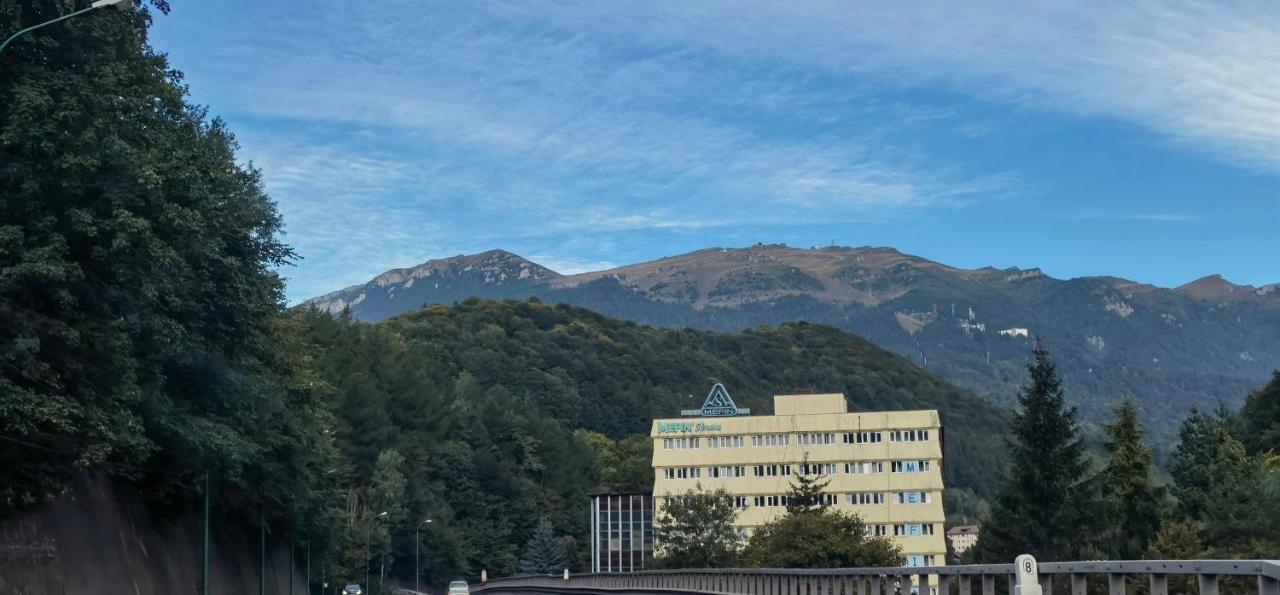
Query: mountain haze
[1199,344]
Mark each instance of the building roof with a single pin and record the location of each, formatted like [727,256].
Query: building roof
[963,530]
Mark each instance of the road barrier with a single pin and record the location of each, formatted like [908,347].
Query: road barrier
[1025,577]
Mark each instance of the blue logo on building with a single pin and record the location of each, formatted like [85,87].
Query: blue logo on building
[718,404]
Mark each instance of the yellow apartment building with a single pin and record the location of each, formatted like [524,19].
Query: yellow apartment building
[885,466]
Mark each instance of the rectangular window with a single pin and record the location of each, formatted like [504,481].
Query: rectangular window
[740,501]
[693,442]
[755,441]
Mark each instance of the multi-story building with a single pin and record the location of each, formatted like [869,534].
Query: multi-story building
[962,538]
[884,466]
[621,532]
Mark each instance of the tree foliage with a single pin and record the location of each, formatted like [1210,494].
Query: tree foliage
[140,328]
[1260,418]
[1044,500]
[1133,504]
[695,530]
[812,535]
[807,493]
[544,553]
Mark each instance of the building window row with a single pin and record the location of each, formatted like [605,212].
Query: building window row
[863,437]
[725,472]
[910,466]
[682,472]
[921,560]
[912,529]
[817,469]
[772,470]
[815,439]
[810,439]
[771,440]
[909,436]
[812,469]
[864,498]
[864,468]
[913,497]
[726,442]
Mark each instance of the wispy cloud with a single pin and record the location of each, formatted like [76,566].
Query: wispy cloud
[395,131]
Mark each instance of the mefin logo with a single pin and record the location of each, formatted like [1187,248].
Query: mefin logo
[718,404]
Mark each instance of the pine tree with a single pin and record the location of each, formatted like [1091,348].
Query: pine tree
[544,554]
[807,491]
[1044,500]
[1133,503]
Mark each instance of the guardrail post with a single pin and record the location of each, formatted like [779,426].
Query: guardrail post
[875,585]
[1159,584]
[966,584]
[1115,584]
[1208,584]
[1268,586]
[1079,584]
[988,584]
[861,588]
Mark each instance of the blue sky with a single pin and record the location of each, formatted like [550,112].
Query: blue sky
[1133,139]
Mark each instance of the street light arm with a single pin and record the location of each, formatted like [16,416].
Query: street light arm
[98,4]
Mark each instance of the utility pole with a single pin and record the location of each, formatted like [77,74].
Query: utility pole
[262,573]
[204,546]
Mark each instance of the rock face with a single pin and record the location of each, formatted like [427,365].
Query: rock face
[496,274]
[1170,348]
[102,538]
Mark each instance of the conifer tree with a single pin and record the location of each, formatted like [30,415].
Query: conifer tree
[544,554]
[807,491]
[1044,499]
[1133,503]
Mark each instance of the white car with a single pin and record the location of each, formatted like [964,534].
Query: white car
[459,588]
[352,589]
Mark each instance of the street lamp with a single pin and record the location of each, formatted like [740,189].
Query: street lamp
[416,573]
[369,537]
[96,4]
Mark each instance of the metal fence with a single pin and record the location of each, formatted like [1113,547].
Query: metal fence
[1022,578]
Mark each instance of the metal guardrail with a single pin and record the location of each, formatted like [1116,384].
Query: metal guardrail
[941,580]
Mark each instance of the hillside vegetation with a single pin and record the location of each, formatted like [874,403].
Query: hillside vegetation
[490,402]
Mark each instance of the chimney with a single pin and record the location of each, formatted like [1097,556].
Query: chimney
[804,390]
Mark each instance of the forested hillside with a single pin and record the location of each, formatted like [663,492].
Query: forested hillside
[483,399]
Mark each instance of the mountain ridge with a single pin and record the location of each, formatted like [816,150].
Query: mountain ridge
[1194,345]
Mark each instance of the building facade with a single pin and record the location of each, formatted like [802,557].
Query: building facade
[884,466]
[962,538]
[621,532]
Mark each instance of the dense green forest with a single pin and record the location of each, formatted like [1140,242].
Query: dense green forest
[511,411]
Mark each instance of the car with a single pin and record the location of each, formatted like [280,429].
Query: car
[352,589]
[459,588]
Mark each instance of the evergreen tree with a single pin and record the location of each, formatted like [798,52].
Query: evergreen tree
[1260,418]
[1133,503]
[1208,459]
[807,491]
[387,494]
[1044,500]
[544,554]
[695,530]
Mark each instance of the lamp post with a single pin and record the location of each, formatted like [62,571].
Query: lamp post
[369,537]
[416,573]
[97,4]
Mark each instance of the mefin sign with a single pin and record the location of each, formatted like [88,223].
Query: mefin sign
[718,404]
